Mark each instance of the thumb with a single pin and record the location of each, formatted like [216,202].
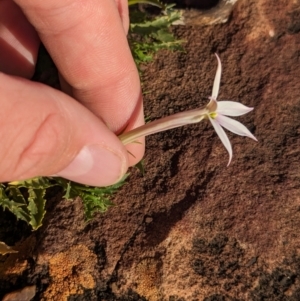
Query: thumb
[44,132]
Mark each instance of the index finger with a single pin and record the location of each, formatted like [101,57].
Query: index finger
[87,42]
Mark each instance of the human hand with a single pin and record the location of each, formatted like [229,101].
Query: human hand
[44,131]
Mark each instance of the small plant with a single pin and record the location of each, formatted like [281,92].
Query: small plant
[215,111]
[26,199]
[148,35]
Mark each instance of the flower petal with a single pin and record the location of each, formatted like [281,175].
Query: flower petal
[234,126]
[232,108]
[216,86]
[222,135]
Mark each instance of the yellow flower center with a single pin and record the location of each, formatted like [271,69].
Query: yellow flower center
[213,115]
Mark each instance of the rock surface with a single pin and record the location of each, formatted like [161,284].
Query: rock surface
[192,228]
[25,294]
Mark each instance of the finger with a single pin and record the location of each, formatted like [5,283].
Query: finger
[86,40]
[122,6]
[136,150]
[44,132]
[19,41]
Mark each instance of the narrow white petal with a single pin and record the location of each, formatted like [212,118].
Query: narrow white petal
[232,108]
[222,135]
[216,86]
[234,126]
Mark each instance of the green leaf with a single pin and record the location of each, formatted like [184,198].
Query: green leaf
[36,183]
[141,166]
[151,2]
[147,36]
[25,199]
[13,200]
[36,207]
[94,199]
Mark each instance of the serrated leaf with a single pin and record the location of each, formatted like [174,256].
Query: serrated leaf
[28,204]
[141,167]
[19,211]
[36,207]
[94,199]
[148,36]
[15,193]
[36,183]
[68,191]
[13,200]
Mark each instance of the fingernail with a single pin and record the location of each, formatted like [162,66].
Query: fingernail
[95,165]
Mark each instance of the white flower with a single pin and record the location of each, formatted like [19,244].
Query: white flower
[215,111]
[219,110]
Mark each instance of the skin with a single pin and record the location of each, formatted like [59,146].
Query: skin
[72,134]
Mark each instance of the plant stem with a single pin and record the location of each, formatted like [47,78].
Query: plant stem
[164,124]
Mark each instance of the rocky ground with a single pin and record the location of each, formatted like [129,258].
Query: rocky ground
[191,228]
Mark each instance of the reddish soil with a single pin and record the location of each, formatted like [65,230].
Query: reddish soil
[191,228]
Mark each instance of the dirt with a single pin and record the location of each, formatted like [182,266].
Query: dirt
[191,228]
